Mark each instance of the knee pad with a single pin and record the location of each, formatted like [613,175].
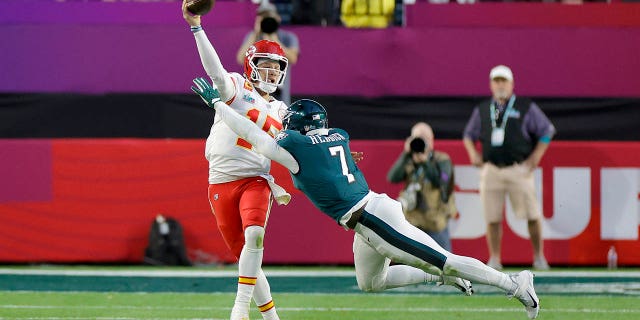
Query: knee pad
[253,237]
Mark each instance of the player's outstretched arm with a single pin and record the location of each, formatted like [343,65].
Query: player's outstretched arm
[209,57]
[262,142]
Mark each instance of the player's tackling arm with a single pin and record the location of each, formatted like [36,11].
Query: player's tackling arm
[262,142]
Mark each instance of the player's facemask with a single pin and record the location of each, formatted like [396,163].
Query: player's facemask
[264,84]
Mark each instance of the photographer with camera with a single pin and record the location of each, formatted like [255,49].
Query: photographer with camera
[267,27]
[427,198]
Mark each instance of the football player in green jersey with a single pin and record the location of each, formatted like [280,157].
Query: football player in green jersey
[319,161]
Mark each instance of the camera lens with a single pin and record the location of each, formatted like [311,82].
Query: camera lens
[269,25]
[417,145]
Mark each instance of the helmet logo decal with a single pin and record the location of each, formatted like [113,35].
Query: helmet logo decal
[251,51]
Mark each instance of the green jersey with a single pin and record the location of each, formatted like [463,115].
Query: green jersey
[328,175]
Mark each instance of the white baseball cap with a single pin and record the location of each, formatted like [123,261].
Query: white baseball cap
[501,71]
[265,7]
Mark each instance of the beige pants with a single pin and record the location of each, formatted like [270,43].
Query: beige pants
[517,182]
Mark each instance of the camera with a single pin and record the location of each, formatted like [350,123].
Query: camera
[417,145]
[269,25]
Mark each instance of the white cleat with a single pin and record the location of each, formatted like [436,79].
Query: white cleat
[460,284]
[525,292]
[239,315]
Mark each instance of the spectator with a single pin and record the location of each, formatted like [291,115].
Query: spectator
[427,197]
[315,12]
[515,134]
[267,27]
[367,14]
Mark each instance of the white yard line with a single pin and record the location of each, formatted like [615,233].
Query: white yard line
[304,309]
[272,273]
[104,318]
[171,273]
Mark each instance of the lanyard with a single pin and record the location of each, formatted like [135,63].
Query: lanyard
[505,117]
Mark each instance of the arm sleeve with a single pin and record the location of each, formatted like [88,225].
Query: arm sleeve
[212,65]
[292,42]
[262,142]
[446,177]
[537,123]
[397,173]
[472,129]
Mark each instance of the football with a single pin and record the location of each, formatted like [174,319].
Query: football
[199,7]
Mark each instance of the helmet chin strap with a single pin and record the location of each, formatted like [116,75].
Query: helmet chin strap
[267,87]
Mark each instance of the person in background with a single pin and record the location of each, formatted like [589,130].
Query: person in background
[319,164]
[267,27]
[241,189]
[369,13]
[515,134]
[427,197]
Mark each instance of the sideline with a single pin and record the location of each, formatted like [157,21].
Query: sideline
[276,273]
[316,281]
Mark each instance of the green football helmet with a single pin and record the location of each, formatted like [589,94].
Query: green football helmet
[305,115]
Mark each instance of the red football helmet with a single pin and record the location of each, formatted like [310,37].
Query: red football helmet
[270,50]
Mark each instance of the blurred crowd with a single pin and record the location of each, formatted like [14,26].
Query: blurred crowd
[356,13]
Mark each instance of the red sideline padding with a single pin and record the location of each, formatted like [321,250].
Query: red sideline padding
[96,198]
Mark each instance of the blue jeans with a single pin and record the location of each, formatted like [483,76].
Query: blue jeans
[442,238]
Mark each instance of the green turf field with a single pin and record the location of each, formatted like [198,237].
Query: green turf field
[302,293]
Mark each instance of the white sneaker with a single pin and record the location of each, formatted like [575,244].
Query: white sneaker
[461,284]
[540,264]
[494,263]
[525,292]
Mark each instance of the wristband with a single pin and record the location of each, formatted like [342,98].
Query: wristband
[545,139]
[196,29]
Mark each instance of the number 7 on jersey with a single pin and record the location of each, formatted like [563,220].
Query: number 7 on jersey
[339,152]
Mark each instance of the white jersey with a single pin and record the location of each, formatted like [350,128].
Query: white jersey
[230,157]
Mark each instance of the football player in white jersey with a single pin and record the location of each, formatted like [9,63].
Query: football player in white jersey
[240,186]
